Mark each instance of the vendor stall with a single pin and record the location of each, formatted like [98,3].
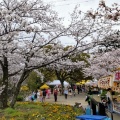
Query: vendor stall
[116,103]
[116,88]
[112,81]
[92,85]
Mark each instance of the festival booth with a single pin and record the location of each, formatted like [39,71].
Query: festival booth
[82,82]
[93,85]
[44,86]
[112,81]
[57,83]
[116,88]
[88,85]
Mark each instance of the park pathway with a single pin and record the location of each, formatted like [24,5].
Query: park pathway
[70,100]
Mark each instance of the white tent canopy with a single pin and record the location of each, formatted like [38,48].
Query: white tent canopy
[92,83]
[57,82]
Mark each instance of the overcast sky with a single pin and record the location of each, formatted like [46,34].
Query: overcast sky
[65,7]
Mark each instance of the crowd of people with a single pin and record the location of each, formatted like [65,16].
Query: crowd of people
[41,95]
[68,92]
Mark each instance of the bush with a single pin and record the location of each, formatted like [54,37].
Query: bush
[104,92]
[20,98]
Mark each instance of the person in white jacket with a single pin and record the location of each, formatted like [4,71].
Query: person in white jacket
[66,92]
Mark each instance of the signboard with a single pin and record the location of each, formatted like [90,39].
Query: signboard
[117,76]
[105,82]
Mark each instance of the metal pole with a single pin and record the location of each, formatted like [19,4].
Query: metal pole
[111,116]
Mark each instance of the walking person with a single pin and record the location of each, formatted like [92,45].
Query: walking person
[35,96]
[55,92]
[89,96]
[109,99]
[38,95]
[66,92]
[43,95]
[48,93]
[78,89]
[32,97]
[74,88]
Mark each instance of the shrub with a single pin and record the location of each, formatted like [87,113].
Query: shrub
[20,98]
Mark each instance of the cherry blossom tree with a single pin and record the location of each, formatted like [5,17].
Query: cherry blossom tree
[27,26]
[103,64]
[66,68]
[105,21]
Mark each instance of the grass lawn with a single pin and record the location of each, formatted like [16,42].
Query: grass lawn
[40,111]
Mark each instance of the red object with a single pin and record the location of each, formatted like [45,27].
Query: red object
[117,75]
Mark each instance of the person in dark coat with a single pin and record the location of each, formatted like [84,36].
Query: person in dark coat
[55,92]
[101,109]
[78,89]
[44,95]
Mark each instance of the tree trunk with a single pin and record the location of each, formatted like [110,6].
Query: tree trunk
[17,88]
[4,85]
[4,97]
[62,86]
[15,94]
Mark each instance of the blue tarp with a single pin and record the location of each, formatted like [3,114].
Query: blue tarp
[91,117]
